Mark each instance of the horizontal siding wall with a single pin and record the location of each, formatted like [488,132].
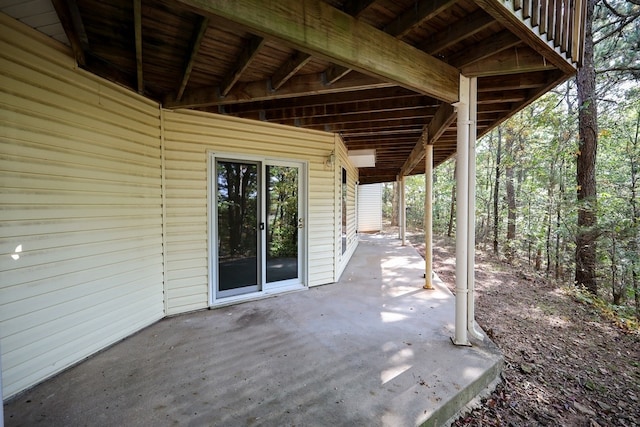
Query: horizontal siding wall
[188,137]
[80,210]
[370,207]
[352,179]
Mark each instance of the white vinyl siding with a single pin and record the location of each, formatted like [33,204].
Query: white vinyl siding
[188,137]
[80,210]
[370,207]
[352,177]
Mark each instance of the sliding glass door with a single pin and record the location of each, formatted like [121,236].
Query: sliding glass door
[258,226]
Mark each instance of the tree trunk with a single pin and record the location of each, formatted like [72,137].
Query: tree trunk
[632,150]
[511,198]
[586,163]
[452,208]
[559,221]
[496,192]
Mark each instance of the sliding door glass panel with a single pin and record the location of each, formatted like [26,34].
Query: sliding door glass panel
[238,227]
[283,222]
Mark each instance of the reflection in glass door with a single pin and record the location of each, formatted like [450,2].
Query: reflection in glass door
[238,223]
[283,222]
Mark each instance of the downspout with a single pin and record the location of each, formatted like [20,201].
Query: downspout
[163,183]
[428,216]
[471,247]
[462,210]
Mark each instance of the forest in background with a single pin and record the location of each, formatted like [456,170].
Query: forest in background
[531,198]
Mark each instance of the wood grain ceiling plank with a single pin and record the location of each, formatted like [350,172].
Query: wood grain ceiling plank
[201,28]
[319,29]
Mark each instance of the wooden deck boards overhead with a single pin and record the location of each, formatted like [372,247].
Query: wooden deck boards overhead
[375,72]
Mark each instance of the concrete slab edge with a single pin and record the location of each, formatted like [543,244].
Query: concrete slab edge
[467,399]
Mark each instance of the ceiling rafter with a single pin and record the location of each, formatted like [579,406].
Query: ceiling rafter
[356,8]
[487,47]
[441,121]
[71,21]
[196,42]
[460,30]
[289,69]
[335,73]
[304,85]
[248,54]
[137,24]
[510,61]
[420,12]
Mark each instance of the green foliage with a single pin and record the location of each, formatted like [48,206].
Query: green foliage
[622,316]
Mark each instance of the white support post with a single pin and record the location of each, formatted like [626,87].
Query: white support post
[428,216]
[471,246]
[402,220]
[462,212]
[402,215]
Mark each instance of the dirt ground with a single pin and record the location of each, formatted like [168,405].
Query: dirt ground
[564,364]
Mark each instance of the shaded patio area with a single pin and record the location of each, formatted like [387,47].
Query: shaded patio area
[372,349]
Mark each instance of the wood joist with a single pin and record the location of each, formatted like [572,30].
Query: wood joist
[381,74]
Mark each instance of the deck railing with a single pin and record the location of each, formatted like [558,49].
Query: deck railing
[562,22]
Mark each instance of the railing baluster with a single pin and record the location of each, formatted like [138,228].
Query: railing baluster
[551,18]
[526,11]
[544,16]
[535,13]
[558,27]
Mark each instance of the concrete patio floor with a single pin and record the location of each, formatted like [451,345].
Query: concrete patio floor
[372,349]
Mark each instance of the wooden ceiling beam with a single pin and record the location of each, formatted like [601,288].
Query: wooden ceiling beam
[484,49]
[460,30]
[390,96]
[319,29]
[441,120]
[512,82]
[359,117]
[380,132]
[501,97]
[357,111]
[248,54]
[69,16]
[201,28]
[137,24]
[289,69]
[305,85]
[511,61]
[421,11]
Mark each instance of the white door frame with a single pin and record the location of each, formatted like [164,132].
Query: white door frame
[264,288]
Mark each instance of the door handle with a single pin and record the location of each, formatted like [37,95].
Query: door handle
[300,222]
[261,226]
